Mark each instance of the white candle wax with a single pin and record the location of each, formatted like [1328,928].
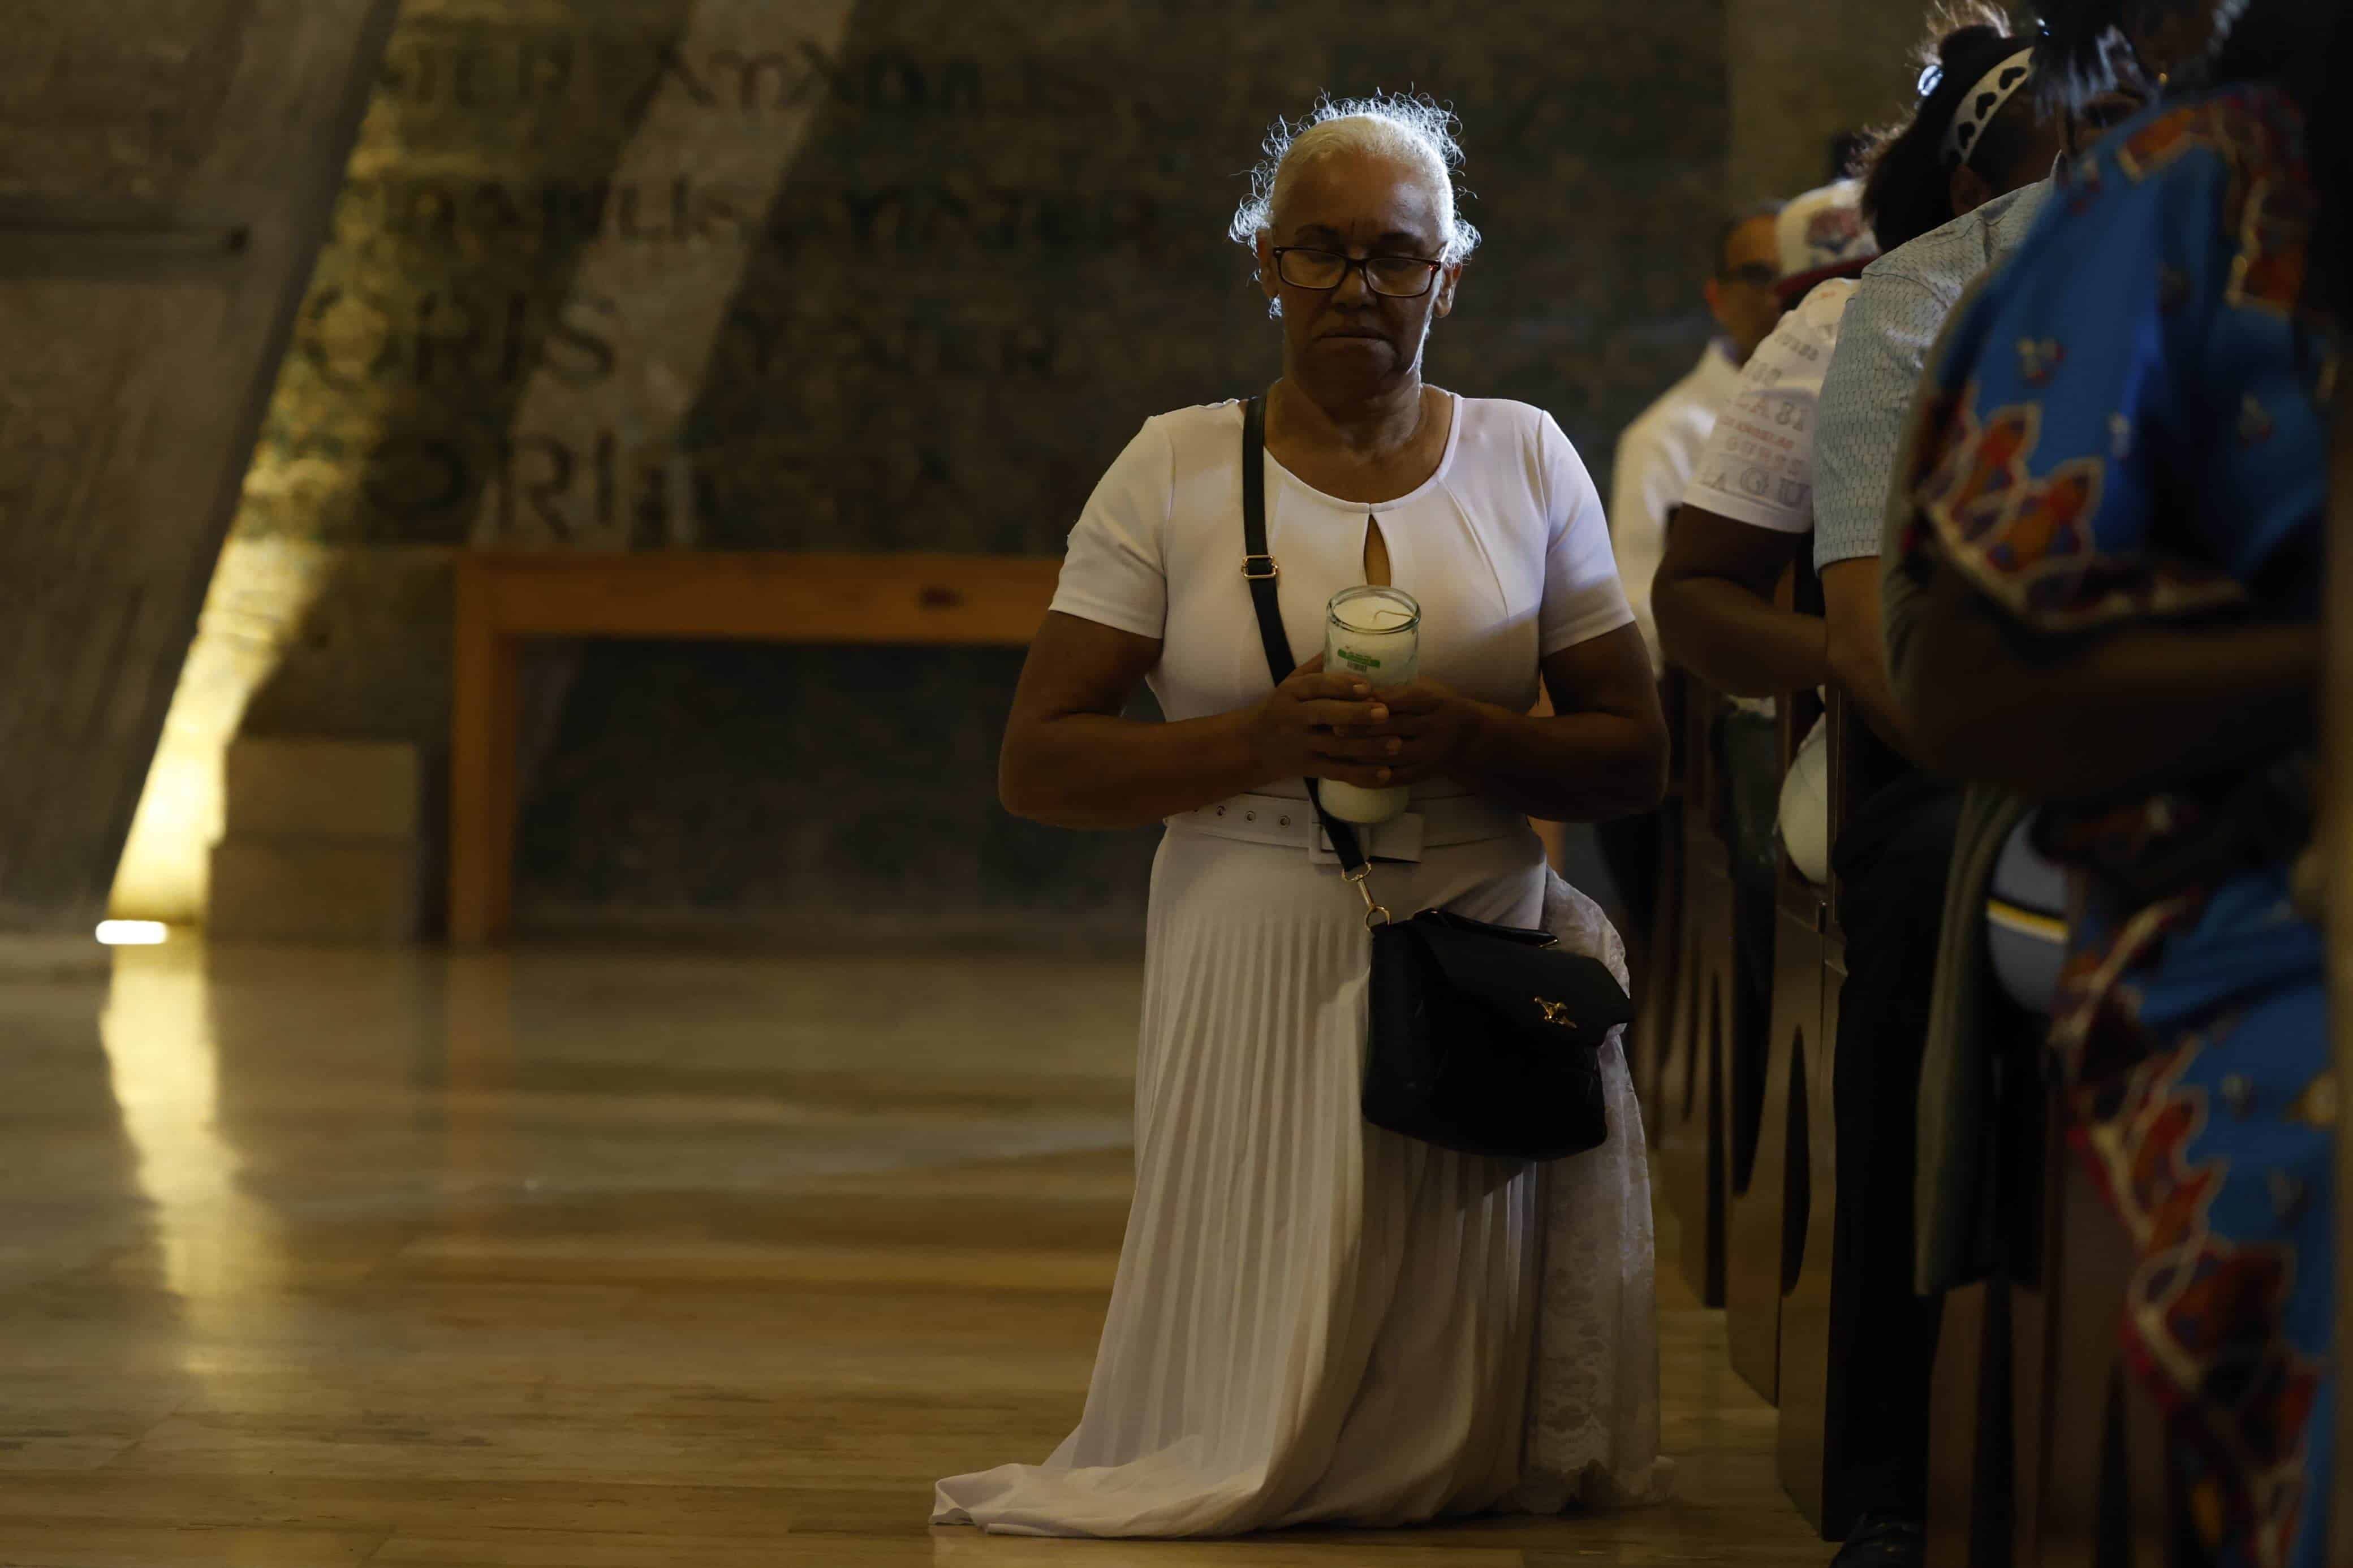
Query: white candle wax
[1380,644]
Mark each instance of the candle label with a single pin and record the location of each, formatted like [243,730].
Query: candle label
[1384,658]
[1379,642]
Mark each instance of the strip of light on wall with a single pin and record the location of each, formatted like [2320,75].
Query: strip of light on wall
[132,933]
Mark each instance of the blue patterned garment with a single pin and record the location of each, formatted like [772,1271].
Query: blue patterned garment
[2129,425]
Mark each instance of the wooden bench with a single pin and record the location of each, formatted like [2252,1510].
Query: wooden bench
[1699,1053]
[1769,1224]
[2045,1452]
[1655,985]
[506,598]
[1809,978]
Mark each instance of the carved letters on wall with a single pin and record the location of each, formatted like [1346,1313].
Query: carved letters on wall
[989,221]
[987,241]
[434,306]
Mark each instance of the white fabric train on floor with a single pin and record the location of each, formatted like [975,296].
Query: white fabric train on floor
[1350,1327]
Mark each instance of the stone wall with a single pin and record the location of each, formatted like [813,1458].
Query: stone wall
[164,175]
[1801,72]
[654,274]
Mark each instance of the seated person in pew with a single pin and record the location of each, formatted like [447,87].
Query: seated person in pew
[1944,193]
[1821,241]
[2103,591]
[1654,459]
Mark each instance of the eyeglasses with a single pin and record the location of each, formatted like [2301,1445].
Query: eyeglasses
[1397,277]
[1756,274]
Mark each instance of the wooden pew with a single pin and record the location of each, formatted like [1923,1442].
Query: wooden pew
[2043,1452]
[2096,1495]
[1771,1202]
[1696,1058]
[1810,1441]
[2080,1482]
[1655,982]
[1984,1447]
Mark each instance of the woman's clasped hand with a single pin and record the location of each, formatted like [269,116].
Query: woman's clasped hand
[1325,726]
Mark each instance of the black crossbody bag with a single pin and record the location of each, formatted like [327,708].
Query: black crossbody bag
[1485,1040]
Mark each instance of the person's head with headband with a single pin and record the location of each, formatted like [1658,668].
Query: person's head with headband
[1979,129]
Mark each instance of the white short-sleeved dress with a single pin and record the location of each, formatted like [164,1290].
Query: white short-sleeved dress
[1315,1320]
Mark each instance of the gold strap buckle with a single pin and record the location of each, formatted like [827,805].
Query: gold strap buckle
[1363,882]
[1273,570]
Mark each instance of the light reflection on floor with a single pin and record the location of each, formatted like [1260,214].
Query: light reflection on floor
[218,1249]
[611,1259]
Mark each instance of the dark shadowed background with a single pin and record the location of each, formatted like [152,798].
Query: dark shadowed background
[869,275]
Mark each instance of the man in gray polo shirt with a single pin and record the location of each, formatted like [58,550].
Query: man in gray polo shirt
[1895,844]
[1898,308]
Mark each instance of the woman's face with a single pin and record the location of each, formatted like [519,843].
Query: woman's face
[1351,337]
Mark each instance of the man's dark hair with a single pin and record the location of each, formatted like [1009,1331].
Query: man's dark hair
[1719,260]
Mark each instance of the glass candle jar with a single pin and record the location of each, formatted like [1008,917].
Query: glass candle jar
[1375,635]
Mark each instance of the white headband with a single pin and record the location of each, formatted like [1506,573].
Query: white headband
[1984,100]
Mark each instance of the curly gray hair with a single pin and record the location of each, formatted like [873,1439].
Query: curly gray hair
[1408,127]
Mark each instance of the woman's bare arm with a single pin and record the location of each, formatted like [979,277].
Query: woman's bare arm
[1713,602]
[1603,752]
[1071,761]
[2141,707]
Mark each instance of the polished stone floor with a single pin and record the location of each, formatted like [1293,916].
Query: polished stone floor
[575,1258]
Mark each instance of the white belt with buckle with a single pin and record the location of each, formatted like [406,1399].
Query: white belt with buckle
[1289,822]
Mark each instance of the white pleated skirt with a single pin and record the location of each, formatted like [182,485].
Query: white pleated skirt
[1317,1322]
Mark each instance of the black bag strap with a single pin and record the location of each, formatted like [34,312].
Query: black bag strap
[1263,572]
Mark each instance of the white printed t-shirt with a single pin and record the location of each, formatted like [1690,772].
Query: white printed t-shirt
[1758,467]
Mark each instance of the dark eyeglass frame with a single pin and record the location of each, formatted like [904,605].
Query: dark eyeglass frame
[1756,274]
[1429,274]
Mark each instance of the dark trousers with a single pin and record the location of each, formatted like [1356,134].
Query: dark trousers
[1893,860]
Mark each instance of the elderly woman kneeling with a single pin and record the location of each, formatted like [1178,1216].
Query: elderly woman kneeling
[1316,1320]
